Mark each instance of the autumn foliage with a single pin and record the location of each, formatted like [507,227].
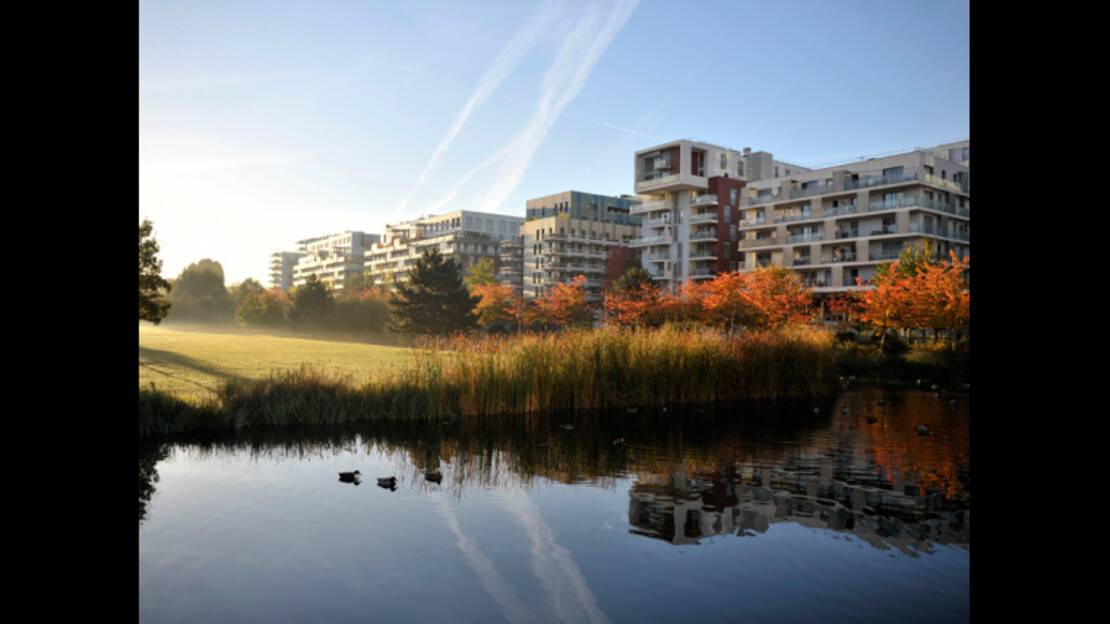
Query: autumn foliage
[767,297]
[498,305]
[564,305]
[933,295]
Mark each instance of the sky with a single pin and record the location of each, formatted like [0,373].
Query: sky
[263,123]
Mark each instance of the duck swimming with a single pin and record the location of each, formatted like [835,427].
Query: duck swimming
[389,483]
[434,477]
[922,430]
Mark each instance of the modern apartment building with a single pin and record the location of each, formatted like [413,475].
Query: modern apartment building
[573,233]
[336,259]
[691,207]
[282,264]
[836,224]
[462,235]
[511,268]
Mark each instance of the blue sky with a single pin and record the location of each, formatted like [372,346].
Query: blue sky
[265,122]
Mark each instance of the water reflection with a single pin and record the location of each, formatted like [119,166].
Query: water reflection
[856,467]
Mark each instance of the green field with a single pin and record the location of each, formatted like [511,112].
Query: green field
[193,363]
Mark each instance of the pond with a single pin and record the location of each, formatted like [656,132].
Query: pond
[761,514]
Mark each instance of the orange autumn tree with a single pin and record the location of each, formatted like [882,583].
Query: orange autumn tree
[687,306]
[639,306]
[565,305]
[777,297]
[725,302]
[498,305]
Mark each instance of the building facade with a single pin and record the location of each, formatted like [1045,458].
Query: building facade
[462,235]
[573,233]
[691,207]
[836,224]
[511,268]
[336,259]
[282,264]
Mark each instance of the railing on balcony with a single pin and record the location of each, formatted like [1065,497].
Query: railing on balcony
[705,217]
[703,235]
[656,179]
[801,261]
[656,257]
[764,199]
[805,237]
[881,180]
[702,273]
[886,229]
[958,235]
[794,217]
[751,222]
[648,207]
[816,189]
[841,258]
[759,242]
[895,203]
[847,233]
[704,200]
[657,222]
[885,255]
[833,211]
[650,240]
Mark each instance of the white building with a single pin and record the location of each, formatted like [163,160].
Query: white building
[690,194]
[836,224]
[282,264]
[462,235]
[336,259]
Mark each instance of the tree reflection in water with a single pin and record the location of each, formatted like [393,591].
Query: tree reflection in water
[695,472]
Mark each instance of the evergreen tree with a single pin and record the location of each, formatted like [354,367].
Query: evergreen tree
[434,300]
[152,306]
[312,302]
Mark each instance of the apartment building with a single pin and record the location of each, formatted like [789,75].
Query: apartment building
[462,235]
[836,224]
[573,233]
[691,207]
[336,259]
[282,264]
[511,268]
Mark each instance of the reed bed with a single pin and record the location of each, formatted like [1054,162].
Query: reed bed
[583,370]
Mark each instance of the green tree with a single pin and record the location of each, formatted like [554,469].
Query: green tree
[152,306]
[242,290]
[434,300]
[482,272]
[199,294]
[312,303]
[631,280]
[267,308]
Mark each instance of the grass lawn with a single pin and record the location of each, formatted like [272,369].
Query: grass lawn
[193,363]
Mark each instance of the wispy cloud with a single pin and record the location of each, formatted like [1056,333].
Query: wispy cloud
[198,165]
[525,38]
[211,82]
[566,76]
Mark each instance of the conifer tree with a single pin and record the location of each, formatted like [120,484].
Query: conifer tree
[434,300]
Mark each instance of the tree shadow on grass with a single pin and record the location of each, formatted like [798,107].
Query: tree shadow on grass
[158,356]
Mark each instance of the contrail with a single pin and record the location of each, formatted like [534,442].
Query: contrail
[576,57]
[525,38]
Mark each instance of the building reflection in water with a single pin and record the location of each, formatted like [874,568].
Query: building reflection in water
[746,501]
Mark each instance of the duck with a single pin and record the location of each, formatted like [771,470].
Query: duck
[952,402]
[922,430]
[388,482]
[567,427]
[434,477]
[350,477]
[817,410]
[935,387]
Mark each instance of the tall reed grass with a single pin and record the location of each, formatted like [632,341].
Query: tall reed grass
[600,369]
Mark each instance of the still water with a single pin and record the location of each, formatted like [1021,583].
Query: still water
[756,515]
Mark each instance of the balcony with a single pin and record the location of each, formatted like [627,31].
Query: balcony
[794,217]
[886,229]
[751,222]
[651,223]
[808,192]
[836,259]
[702,254]
[951,185]
[656,257]
[758,242]
[801,261]
[881,180]
[705,217]
[650,182]
[847,234]
[647,241]
[650,206]
[877,256]
[904,202]
[766,199]
[704,200]
[958,235]
[805,238]
[833,211]
[703,235]
[703,273]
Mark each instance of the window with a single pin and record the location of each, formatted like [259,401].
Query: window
[724,161]
[776,172]
[740,165]
[732,195]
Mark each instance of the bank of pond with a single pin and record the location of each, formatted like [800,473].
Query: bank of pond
[588,370]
